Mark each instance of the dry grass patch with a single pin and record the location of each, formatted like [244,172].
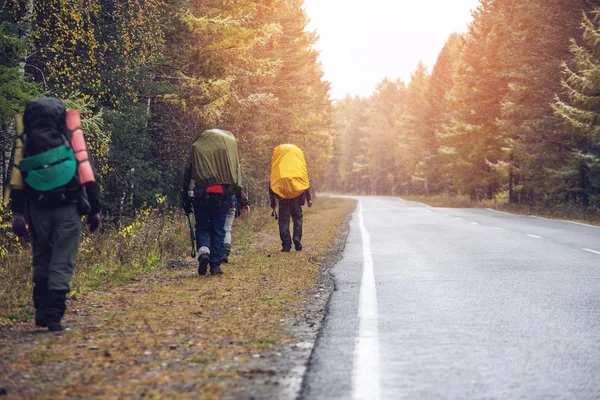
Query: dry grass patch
[174,334]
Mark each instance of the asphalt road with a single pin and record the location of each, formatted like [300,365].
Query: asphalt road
[460,304]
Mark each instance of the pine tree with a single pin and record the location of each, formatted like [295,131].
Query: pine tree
[536,41]
[470,145]
[438,115]
[579,109]
[417,146]
[351,144]
[384,136]
[15,87]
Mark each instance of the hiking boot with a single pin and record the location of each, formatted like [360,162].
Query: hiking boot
[297,245]
[286,250]
[227,253]
[40,294]
[203,261]
[216,270]
[55,309]
[55,326]
[40,319]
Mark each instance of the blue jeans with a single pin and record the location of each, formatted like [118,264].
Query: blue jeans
[211,212]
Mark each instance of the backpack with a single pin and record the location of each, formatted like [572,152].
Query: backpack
[53,160]
[289,175]
[215,160]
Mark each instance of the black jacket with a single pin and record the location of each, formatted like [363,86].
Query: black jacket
[304,197]
[200,191]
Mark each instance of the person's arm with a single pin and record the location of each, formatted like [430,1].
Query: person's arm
[308,197]
[17,201]
[187,177]
[273,198]
[93,193]
[240,193]
[19,226]
[185,198]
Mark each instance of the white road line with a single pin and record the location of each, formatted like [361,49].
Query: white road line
[579,223]
[365,371]
[535,236]
[566,222]
[499,212]
[592,251]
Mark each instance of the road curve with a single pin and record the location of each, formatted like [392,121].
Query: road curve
[460,304]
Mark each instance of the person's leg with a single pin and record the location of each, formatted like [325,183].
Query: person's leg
[296,211]
[228,228]
[203,221]
[66,236]
[284,225]
[40,223]
[221,210]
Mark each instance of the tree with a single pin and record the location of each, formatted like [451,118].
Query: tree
[578,108]
[384,136]
[439,110]
[470,144]
[417,144]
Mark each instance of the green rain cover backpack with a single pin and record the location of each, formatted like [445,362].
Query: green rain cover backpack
[215,159]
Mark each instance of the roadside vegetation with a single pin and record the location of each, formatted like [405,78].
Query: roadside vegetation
[567,211]
[173,334]
[120,254]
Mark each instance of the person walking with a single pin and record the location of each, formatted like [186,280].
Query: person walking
[211,178]
[52,185]
[289,185]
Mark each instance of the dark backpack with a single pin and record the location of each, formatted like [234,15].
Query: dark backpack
[49,166]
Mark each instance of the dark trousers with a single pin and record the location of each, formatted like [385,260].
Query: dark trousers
[56,234]
[211,212]
[290,208]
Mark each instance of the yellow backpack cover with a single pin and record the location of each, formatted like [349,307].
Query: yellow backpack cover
[289,176]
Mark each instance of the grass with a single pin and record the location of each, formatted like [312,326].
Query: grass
[206,344]
[570,212]
[115,257]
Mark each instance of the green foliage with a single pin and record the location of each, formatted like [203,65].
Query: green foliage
[143,245]
[485,124]
[579,179]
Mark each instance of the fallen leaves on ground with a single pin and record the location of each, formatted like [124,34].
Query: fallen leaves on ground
[174,334]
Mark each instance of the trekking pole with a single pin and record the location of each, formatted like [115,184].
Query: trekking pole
[192,235]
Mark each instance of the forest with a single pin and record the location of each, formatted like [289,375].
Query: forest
[510,111]
[149,76]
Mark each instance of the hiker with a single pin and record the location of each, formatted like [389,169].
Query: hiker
[233,212]
[290,186]
[211,178]
[52,185]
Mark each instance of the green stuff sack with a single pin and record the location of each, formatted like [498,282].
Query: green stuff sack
[289,175]
[215,159]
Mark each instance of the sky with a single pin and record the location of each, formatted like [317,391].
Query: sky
[363,41]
